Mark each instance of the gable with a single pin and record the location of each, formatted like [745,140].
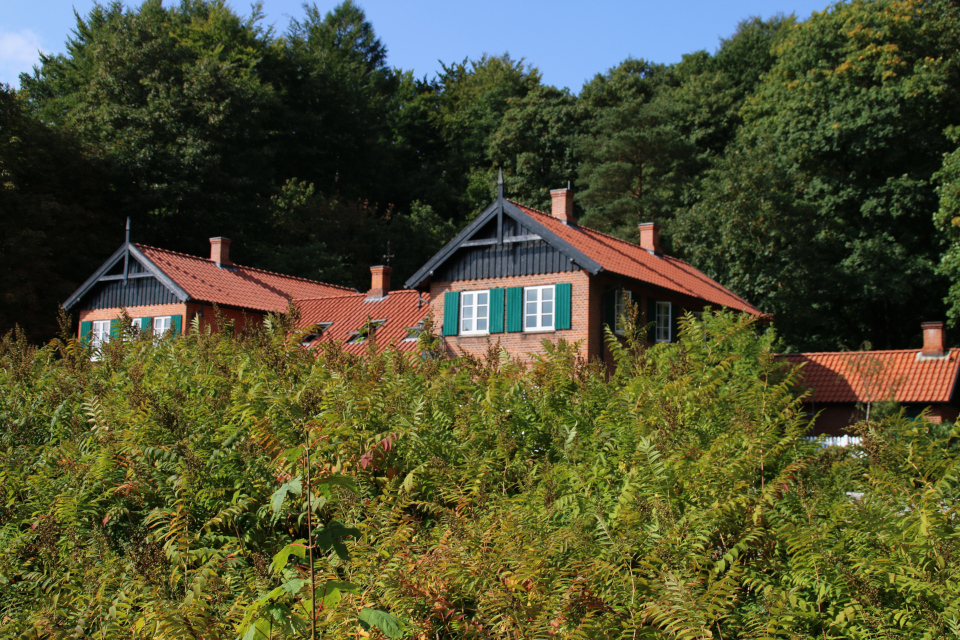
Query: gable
[503,241]
[126,279]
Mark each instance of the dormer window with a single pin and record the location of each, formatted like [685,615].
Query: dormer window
[314,332]
[413,333]
[366,331]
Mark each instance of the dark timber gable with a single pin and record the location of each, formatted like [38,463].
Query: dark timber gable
[127,279]
[503,241]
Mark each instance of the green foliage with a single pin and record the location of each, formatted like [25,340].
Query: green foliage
[848,126]
[180,489]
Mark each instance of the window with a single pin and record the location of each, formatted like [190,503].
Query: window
[413,333]
[101,333]
[161,325]
[663,322]
[624,299]
[314,332]
[474,313]
[538,309]
[357,337]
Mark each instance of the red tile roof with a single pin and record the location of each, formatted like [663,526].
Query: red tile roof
[349,313]
[236,286]
[630,260]
[871,376]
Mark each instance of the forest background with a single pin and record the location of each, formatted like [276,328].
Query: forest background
[812,167]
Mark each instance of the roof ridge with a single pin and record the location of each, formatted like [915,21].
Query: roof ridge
[604,234]
[244,267]
[845,353]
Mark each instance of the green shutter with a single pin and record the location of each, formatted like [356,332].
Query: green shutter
[146,325]
[651,319]
[496,310]
[177,323]
[564,300]
[86,329]
[515,309]
[116,331]
[451,313]
[610,308]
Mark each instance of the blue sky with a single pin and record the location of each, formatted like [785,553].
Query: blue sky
[568,41]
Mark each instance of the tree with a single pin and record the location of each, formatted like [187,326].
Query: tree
[534,144]
[854,108]
[172,100]
[947,221]
[56,215]
[634,160]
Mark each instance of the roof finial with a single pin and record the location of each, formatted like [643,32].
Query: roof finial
[500,185]
[388,254]
[128,229]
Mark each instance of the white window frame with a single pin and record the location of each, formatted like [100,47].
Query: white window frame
[620,309]
[161,329]
[475,308]
[663,329]
[538,315]
[99,333]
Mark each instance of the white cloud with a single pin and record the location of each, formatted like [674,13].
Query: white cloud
[19,51]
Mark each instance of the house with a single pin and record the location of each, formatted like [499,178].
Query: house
[355,319]
[518,276]
[164,290]
[844,385]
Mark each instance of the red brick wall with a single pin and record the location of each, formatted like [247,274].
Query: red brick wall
[241,317]
[587,313]
[524,344]
[186,309]
[152,311]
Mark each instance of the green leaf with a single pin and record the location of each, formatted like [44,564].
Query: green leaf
[332,535]
[297,548]
[391,626]
[276,501]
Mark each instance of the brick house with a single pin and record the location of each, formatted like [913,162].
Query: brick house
[844,385]
[518,276]
[164,290]
[389,318]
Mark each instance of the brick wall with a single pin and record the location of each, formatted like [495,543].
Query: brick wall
[152,311]
[523,344]
[240,317]
[587,316]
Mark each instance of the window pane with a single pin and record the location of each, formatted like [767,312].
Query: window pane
[467,325]
[531,294]
[547,320]
[481,298]
[467,299]
[468,312]
[481,325]
[547,294]
[531,307]
[531,322]
[547,306]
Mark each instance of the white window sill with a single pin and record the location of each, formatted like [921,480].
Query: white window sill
[474,334]
[547,330]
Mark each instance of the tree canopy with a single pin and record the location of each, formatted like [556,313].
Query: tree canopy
[795,164]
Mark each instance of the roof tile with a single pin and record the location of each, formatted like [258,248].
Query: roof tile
[236,286]
[349,313]
[630,260]
[872,376]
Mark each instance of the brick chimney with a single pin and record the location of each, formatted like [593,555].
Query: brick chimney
[220,251]
[650,236]
[379,281]
[933,340]
[562,206]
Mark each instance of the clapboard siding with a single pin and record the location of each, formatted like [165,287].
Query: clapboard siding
[511,259]
[137,292]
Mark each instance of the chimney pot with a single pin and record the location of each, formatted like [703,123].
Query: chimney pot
[379,281]
[562,206]
[650,236]
[220,251]
[933,339]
